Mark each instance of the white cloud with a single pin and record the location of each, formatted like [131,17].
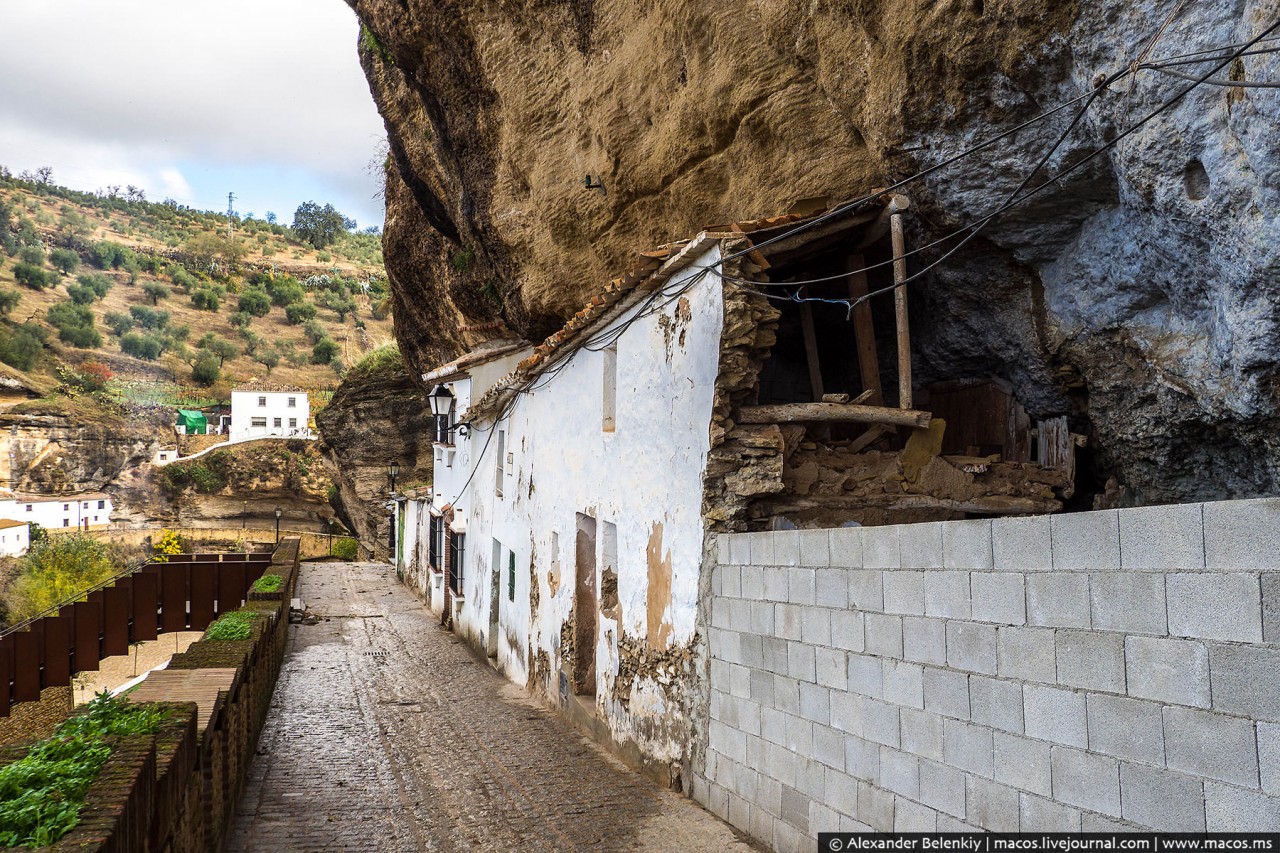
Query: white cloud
[147,87]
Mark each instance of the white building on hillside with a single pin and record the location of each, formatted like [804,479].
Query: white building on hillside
[85,511]
[15,538]
[264,410]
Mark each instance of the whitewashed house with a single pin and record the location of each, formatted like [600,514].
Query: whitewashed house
[86,511]
[263,410]
[15,538]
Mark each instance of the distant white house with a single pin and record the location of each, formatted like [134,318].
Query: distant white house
[263,410]
[85,511]
[15,538]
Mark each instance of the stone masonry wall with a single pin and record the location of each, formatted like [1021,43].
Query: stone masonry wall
[1092,671]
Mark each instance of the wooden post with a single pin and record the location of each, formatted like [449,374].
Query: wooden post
[864,332]
[900,302]
[811,349]
[787,413]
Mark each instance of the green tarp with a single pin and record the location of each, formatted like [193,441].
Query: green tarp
[195,422]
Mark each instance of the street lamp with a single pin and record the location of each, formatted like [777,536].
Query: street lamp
[279,512]
[441,404]
[394,470]
[244,511]
[330,536]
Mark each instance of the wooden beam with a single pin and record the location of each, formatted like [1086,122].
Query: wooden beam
[811,349]
[900,303]
[868,438]
[832,413]
[864,332]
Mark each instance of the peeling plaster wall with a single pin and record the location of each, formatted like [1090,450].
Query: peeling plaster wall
[645,478]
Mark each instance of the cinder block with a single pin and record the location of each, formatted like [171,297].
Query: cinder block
[1126,728]
[1086,541]
[920,545]
[946,692]
[846,712]
[823,819]
[921,733]
[866,675]
[1022,763]
[1215,606]
[762,548]
[1242,535]
[875,807]
[996,703]
[1026,653]
[904,592]
[1271,607]
[816,627]
[910,816]
[947,823]
[1229,809]
[1168,802]
[801,664]
[828,746]
[861,759]
[799,740]
[1162,537]
[1086,780]
[847,630]
[971,646]
[967,544]
[999,597]
[1040,815]
[924,639]
[845,544]
[942,788]
[880,549]
[1268,756]
[899,772]
[775,583]
[786,694]
[815,548]
[739,547]
[866,591]
[786,547]
[775,654]
[728,581]
[752,581]
[815,703]
[1130,602]
[904,684]
[1091,659]
[801,586]
[1174,671]
[1212,745]
[762,687]
[880,723]
[1055,715]
[883,635]
[968,747]
[946,594]
[1022,544]
[788,620]
[1058,600]
[1091,822]
[991,805]
[1244,680]
[832,587]
[832,667]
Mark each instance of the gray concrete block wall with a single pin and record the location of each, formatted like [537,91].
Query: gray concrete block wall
[1095,671]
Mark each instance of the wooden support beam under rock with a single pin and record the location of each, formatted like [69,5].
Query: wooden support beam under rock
[784,413]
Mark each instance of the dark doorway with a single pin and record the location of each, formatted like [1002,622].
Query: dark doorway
[584,608]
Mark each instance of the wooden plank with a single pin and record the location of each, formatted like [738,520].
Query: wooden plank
[201,686]
[864,333]
[116,603]
[867,439]
[26,666]
[231,586]
[88,636]
[204,579]
[811,350]
[57,651]
[146,603]
[832,413]
[900,306]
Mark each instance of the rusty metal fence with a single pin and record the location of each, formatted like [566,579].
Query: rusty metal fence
[186,593]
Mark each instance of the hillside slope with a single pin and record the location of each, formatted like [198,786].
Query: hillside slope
[1136,295]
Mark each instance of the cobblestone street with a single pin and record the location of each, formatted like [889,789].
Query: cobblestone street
[388,734]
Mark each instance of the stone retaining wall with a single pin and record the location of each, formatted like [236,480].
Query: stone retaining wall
[1093,671]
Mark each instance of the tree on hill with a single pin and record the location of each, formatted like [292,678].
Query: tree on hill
[255,302]
[149,318]
[324,351]
[206,370]
[147,347]
[118,323]
[32,254]
[81,295]
[205,299]
[21,346]
[268,357]
[319,226]
[9,300]
[74,324]
[338,303]
[32,276]
[155,291]
[240,319]
[56,569]
[220,347]
[100,283]
[300,312]
[64,260]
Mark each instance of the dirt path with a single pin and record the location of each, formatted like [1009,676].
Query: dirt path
[387,734]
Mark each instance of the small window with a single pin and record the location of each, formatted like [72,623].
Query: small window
[95,518]
[86,504]
[457,553]
[262,401]
[28,507]
[275,422]
[610,405]
[293,402]
[66,522]
[293,423]
[500,458]
[66,507]
[511,576]
[258,422]
[102,504]
[436,525]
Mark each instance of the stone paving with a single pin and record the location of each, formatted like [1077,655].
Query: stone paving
[388,734]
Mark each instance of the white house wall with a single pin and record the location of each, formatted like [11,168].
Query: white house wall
[51,514]
[645,477]
[244,408]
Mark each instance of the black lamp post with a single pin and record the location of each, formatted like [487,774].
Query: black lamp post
[330,536]
[279,512]
[394,471]
[244,512]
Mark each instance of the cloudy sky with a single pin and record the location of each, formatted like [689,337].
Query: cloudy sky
[192,99]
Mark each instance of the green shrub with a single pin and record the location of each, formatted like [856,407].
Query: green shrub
[65,260]
[240,319]
[9,300]
[21,346]
[206,370]
[236,625]
[299,312]
[74,324]
[33,255]
[149,318]
[32,276]
[386,359]
[42,793]
[285,290]
[268,583]
[324,351]
[118,323]
[205,299]
[255,302]
[346,548]
[182,278]
[58,569]
[80,294]
[314,331]
[156,291]
[100,283]
[109,255]
[147,347]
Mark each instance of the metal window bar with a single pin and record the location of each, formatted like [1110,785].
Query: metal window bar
[457,550]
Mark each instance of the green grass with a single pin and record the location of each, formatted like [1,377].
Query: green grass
[268,583]
[236,625]
[42,793]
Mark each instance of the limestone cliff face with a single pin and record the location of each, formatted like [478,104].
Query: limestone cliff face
[373,420]
[1139,295]
[52,452]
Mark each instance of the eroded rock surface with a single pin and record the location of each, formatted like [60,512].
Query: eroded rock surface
[1137,295]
